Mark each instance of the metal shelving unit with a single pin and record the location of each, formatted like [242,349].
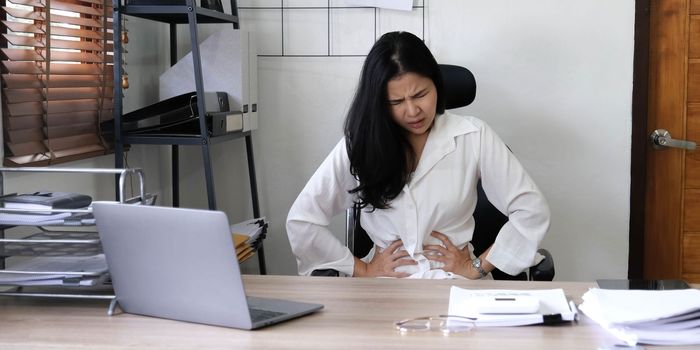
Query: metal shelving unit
[72,237]
[192,16]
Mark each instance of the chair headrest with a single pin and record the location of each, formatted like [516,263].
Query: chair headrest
[460,86]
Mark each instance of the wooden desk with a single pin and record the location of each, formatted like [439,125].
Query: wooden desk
[359,314]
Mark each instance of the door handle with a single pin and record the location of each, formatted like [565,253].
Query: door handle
[661,138]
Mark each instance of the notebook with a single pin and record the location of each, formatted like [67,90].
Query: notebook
[181,264]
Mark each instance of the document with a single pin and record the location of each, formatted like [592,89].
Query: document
[657,317]
[33,219]
[243,249]
[553,307]
[52,270]
[47,200]
[57,265]
[247,235]
[49,280]
[254,229]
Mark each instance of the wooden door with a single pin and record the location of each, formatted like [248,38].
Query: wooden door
[672,200]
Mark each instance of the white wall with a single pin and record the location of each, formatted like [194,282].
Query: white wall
[554,80]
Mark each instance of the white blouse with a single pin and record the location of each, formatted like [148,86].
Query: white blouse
[441,196]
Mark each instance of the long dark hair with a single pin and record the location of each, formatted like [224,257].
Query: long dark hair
[378,149]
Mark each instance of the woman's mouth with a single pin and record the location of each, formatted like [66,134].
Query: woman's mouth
[416,125]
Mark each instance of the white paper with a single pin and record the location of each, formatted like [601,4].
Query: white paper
[27,272]
[222,69]
[13,278]
[251,228]
[552,302]
[404,5]
[46,280]
[663,317]
[56,265]
[631,306]
[691,316]
[31,219]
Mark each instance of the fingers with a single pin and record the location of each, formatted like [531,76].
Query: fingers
[403,262]
[399,274]
[386,260]
[436,248]
[399,254]
[398,263]
[441,259]
[392,247]
[392,251]
[446,241]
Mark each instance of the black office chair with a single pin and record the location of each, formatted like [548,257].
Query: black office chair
[460,89]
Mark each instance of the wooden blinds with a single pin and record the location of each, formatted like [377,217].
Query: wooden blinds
[57,79]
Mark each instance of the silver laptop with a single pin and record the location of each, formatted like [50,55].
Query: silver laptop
[181,264]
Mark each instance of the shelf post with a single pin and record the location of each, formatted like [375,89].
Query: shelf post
[118,145]
[175,149]
[201,107]
[254,197]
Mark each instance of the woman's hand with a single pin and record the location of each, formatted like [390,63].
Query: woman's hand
[455,260]
[384,262]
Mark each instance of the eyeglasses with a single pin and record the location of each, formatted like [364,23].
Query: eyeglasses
[444,323]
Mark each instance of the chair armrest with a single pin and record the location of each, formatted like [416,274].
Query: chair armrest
[325,273]
[544,271]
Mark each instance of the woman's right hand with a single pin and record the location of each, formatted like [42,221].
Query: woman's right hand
[384,262]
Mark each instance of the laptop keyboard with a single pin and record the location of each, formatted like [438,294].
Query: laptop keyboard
[259,315]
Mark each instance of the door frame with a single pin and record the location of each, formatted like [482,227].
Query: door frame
[640,98]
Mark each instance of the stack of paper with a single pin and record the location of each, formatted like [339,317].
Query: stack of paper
[33,219]
[247,236]
[657,317]
[56,270]
[553,307]
[44,201]
[243,249]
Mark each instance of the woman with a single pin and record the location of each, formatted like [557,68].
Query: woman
[414,169]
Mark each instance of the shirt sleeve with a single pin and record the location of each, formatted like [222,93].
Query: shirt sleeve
[324,196]
[511,190]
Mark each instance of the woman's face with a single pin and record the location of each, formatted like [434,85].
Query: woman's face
[412,101]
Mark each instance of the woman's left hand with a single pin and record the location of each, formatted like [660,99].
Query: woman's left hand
[455,260]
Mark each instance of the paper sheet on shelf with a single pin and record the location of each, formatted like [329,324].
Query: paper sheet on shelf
[48,280]
[240,251]
[24,272]
[13,278]
[32,219]
[245,255]
[251,228]
[243,249]
[239,239]
[87,265]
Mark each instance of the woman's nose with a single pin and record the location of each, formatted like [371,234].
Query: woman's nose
[412,109]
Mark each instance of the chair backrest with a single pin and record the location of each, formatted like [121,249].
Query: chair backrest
[460,91]
[460,86]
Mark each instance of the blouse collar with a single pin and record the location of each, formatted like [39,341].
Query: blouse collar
[441,141]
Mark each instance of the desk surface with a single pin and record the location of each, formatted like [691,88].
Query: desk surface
[359,314]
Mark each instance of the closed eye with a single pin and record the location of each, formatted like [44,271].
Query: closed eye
[420,93]
[395,102]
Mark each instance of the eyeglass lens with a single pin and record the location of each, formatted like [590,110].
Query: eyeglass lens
[445,324]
